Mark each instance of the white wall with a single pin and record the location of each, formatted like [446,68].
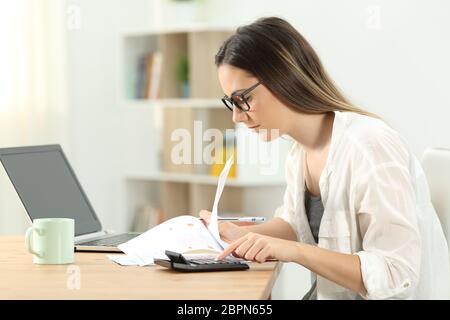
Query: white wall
[98,130]
[399,70]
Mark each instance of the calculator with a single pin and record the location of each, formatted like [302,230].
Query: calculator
[180,263]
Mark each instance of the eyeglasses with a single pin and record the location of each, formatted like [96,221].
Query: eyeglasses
[239,100]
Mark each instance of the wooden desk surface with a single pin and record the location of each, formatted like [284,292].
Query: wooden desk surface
[101,278]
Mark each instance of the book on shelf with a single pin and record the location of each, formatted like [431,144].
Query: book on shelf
[149,71]
[154,75]
[221,154]
[140,77]
[219,163]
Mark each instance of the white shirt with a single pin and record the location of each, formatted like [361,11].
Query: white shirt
[376,205]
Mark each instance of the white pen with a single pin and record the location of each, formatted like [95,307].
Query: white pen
[242,219]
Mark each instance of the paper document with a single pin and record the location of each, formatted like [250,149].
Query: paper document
[123,259]
[183,234]
[213,226]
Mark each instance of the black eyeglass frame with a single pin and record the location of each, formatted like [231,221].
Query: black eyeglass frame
[241,95]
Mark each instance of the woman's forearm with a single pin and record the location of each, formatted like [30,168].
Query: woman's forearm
[275,227]
[343,269]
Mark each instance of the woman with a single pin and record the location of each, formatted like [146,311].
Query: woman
[357,209]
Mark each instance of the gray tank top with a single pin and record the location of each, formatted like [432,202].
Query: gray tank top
[314,211]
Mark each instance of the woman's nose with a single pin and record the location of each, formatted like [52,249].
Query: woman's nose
[238,115]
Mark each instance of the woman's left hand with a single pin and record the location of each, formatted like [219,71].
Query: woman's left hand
[260,248]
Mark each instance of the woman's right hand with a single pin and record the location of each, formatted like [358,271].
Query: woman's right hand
[228,231]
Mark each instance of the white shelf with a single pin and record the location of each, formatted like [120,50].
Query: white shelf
[158,30]
[175,103]
[203,179]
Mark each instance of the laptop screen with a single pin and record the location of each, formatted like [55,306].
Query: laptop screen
[48,187]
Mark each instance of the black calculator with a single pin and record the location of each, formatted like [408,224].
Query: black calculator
[179,263]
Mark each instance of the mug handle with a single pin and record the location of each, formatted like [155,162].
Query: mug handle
[29,241]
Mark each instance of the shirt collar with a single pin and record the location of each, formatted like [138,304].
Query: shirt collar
[339,126]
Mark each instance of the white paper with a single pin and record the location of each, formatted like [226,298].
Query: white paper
[123,259]
[213,226]
[180,234]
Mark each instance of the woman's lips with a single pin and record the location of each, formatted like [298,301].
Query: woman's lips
[254,127]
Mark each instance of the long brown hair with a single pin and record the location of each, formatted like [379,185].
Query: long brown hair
[272,50]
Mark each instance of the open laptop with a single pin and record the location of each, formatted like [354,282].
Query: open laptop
[48,188]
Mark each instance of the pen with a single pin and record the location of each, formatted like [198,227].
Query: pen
[242,219]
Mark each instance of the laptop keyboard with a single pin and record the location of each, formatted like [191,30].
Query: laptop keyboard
[111,241]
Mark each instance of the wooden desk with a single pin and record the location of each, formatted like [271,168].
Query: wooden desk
[101,278]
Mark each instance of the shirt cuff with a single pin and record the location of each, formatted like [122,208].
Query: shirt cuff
[375,276]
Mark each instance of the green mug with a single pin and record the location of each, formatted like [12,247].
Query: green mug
[51,240]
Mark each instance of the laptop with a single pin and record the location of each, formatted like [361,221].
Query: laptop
[49,188]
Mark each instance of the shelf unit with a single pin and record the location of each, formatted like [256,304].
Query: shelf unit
[175,103]
[152,178]
[202,179]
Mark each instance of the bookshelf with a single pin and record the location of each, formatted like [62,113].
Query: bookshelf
[175,103]
[194,107]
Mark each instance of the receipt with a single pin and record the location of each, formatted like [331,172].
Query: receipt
[213,226]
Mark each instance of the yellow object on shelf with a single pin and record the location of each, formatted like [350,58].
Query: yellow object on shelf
[220,159]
